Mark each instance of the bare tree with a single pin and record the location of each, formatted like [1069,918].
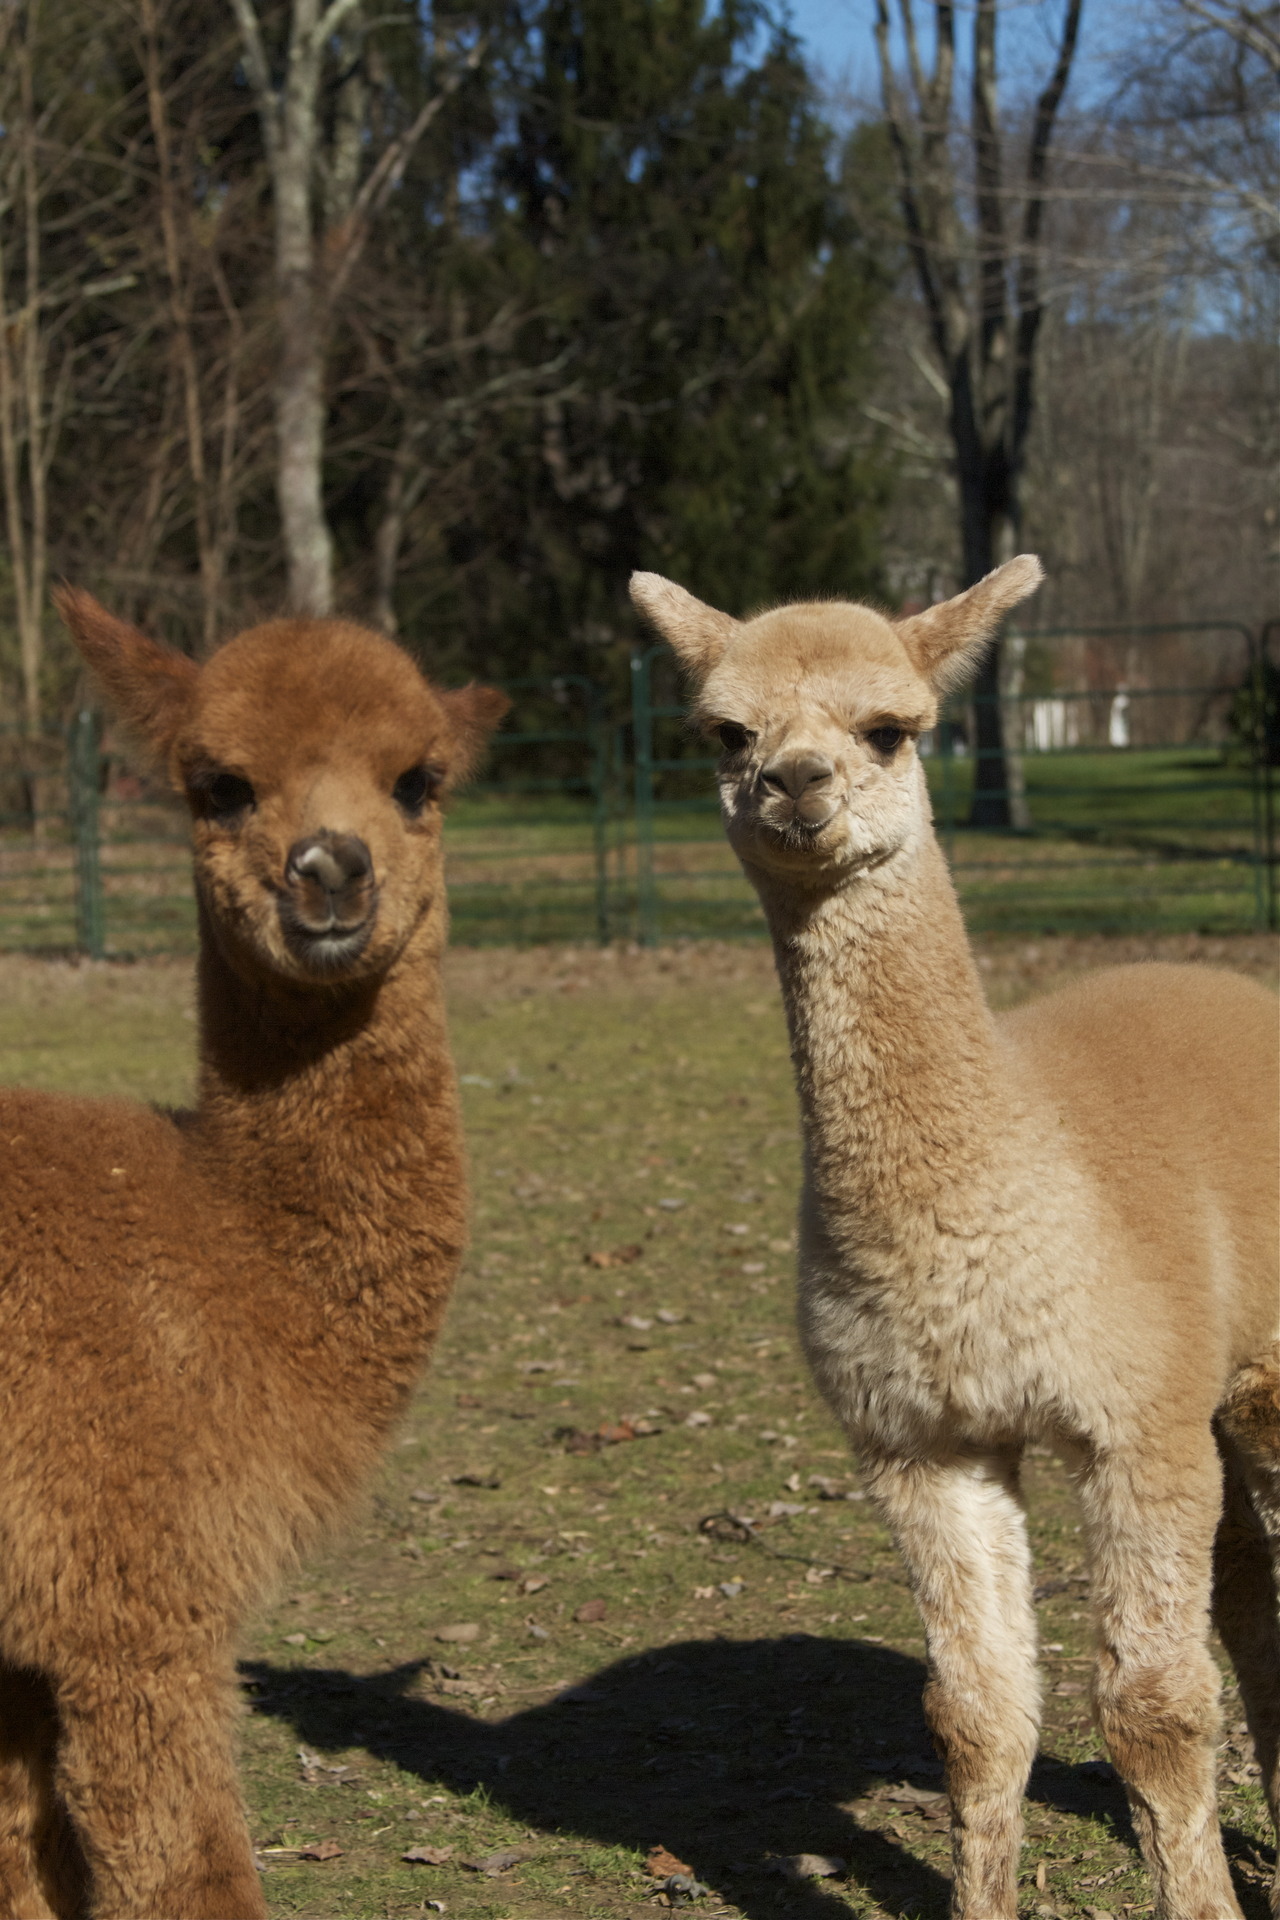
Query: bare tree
[977,260]
[323,215]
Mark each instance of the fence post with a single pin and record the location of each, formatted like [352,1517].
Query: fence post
[1265,728]
[642,734]
[600,792]
[82,779]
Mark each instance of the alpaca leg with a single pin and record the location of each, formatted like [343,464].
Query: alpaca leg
[1246,1612]
[1247,1586]
[146,1772]
[41,1868]
[1152,1516]
[961,1530]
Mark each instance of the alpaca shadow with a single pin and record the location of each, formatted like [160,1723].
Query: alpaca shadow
[724,1752]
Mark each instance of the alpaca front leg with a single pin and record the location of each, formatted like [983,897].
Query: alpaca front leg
[1152,1514]
[960,1528]
[41,1870]
[1246,1612]
[146,1772]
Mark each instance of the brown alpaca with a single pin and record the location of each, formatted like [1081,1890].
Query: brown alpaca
[210,1321]
[1057,1226]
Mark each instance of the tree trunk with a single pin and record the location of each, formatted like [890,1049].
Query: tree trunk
[983,340]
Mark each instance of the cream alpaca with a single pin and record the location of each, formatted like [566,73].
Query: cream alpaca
[210,1321]
[1059,1225]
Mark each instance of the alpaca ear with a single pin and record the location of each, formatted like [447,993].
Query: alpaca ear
[150,686]
[473,713]
[946,641]
[698,633]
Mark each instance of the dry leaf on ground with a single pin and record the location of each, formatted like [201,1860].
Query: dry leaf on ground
[661,1863]
[591,1610]
[320,1850]
[499,1862]
[428,1856]
[614,1257]
[811,1866]
[461,1633]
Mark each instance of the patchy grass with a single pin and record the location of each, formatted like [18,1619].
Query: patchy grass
[736,1696]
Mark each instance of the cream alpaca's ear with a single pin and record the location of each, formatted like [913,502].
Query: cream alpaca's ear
[946,641]
[698,633]
[150,686]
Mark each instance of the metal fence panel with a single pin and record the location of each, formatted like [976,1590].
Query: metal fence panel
[1150,806]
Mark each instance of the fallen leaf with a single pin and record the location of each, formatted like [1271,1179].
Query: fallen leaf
[428,1856]
[469,1400]
[488,1480]
[699,1418]
[461,1633]
[660,1863]
[784,1509]
[321,1850]
[534,1583]
[811,1866]
[424,1496]
[494,1863]
[732,1588]
[668,1318]
[704,1593]
[736,1227]
[635,1320]
[574,1440]
[672,1205]
[1069,1686]
[295,1639]
[614,1257]
[814,1576]
[591,1610]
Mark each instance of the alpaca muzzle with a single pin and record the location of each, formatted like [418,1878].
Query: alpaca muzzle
[798,789]
[330,896]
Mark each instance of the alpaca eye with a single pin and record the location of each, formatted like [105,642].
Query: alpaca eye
[734,739]
[223,796]
[415,787]
[886,740]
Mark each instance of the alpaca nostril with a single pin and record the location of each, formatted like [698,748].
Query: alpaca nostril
[332,860]
[794,773]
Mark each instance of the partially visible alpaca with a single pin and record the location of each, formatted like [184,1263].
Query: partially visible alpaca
[1058,1226]
[210,1321]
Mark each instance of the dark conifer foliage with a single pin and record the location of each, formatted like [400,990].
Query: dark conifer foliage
[614,314]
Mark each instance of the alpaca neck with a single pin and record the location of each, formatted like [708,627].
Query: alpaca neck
[893,1044]
[330,1119]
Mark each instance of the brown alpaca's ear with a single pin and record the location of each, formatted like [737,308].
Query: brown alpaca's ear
[946,641]
[698,634]
[149,685]
[473,713]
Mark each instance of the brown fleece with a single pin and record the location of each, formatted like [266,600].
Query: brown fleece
[211,1321]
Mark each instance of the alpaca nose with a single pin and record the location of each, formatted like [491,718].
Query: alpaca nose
[333,861]
[330,876]
[794,773]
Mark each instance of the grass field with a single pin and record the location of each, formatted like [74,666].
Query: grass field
[548,1634]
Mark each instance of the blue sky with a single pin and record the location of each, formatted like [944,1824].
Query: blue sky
[837,35]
